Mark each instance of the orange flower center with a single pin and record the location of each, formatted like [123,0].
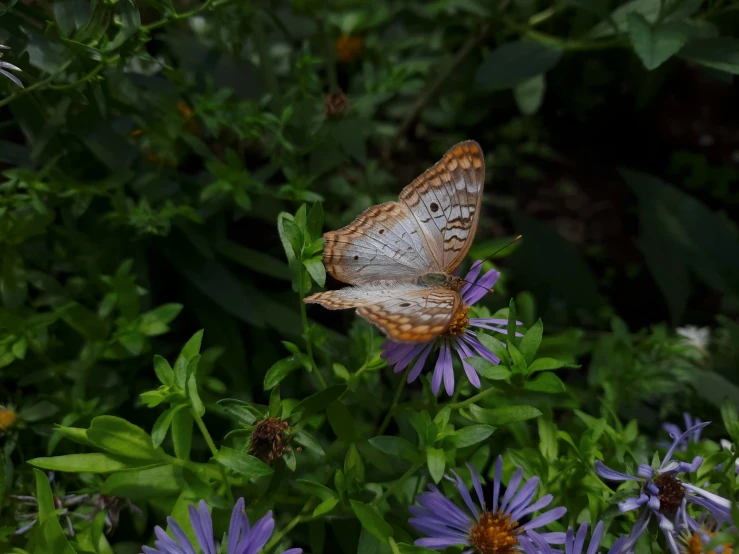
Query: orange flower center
[459,323]
[7,419]
[694,545]
[495,533]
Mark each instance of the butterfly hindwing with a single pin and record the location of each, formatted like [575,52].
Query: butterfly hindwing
[445,202]
[404,312]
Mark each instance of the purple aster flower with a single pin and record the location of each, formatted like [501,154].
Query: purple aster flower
[242,538]
[574,543]
[674,430]
[27,515]
[484,530]
[695,535]
[665,496]
[459,337]
[6,65]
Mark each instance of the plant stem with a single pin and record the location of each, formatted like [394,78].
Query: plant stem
[430,91]
[411,470]
[391,410]
[86,77]
[213,450]
[306,335]
[37,85]
[468,401]
[328,46]
[184,15]
[277,537]
[260,43]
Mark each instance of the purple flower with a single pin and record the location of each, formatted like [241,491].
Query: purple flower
[242,538]
[6,65]
[665,496]
[445,524]
[695,535]
[459,337]
[574,544]
[674,430]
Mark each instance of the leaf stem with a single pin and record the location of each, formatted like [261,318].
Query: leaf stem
[37,85]
[399,481]
[213,450]
[391,410]
[471,400]
[277,537]
[306,328]
[184,15]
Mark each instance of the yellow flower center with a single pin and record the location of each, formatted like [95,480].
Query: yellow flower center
[694,545]
[7,419]
[459,323]
[495,533]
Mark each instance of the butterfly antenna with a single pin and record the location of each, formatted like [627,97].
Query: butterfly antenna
[479,262]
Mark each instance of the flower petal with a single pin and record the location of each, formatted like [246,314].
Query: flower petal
[611,474]
[235,528]
[688,433]
[477,484]
[633,503]
[439,367]
[595,538]
[546,518]
[418,366]
[496,482]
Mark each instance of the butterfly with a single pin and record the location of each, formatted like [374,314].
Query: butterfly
[400,256]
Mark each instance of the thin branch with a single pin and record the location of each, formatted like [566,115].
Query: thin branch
[434,87]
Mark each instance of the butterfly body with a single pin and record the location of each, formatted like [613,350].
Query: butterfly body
[401,255]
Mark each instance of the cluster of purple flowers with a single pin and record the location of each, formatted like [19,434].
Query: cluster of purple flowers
[497,528]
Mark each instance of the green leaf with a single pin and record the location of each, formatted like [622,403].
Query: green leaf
[436,462]
[731,420]
[371,520]
[515,62]
[155,322]
[314,225]
[188,352]
[303,438]
[547,364]
[192,386]
[655,44]
[412,549]
[473,434]
[244,464]
[618,20]
[530,94]
[548,444]
[161,425]
[145,484]
[163,371]
[182,434]
[720,53]
[546,382]
[118,436]
[341,420]
[326,506]
[84,463]
[531,341]
[518,362]
[291,235]
[511,325]
[317,402]
[488,369]
[395,446]
[52,538]
[281,369]
[311,487]
[317,270]
[504,415]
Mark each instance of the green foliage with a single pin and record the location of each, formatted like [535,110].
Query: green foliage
[172,165]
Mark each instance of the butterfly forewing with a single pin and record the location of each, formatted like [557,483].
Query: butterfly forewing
[445,202]
[383,243]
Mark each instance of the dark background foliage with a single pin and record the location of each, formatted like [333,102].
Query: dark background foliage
[146,161]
